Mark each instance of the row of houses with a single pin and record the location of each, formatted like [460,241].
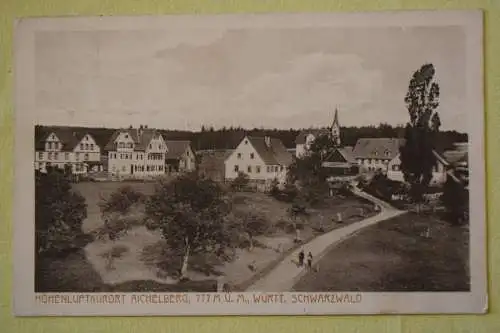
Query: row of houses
[129,153]
[144,153]
[264,159]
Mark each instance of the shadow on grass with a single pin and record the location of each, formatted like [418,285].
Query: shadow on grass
[74,273]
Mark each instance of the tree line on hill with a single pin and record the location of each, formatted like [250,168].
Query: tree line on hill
[229,137]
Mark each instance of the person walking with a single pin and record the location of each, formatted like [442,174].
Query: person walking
[309,260]
[301,258]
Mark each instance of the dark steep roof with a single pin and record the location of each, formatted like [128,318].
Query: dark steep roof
[68,137]
[274,154]
[141,138]
[175,148]
[380,148]
[301,138]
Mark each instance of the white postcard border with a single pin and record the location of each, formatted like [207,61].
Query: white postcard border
[27,303]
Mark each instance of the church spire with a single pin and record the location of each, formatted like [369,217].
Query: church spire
[335,130]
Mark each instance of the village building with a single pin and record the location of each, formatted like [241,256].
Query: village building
[382,155]
[136,153]
[67,150]
[180,157]
[439,171]
[374,154]
[458,157]
[306,138]
[212,163]
[263,159]
[341,163]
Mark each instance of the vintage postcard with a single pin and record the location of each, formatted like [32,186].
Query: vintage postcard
[273,164]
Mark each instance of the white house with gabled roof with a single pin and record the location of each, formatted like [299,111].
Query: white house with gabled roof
[263,159]
[136,153]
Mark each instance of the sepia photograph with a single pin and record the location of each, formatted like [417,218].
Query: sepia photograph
[250,164]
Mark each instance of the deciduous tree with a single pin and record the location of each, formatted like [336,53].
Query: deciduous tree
[121,200]
[59,214]
[190,213]
[417,153]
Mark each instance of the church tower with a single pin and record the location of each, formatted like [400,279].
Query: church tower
[335,129]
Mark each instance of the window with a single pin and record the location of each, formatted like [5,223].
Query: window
[66,156]
[121,145]
[77,155]
[86,146]
[252,156]
[50,156]
[249,169]
[257,169]
[129,145]
[386,153]
[268,168]
[276,169]
[92,146]
[123,168]
[40,155]
[246,142]
[282,168]
[150,146]
[56,156]
[239,156]
[236,168]
[187,153]
[86,157]
[81,146]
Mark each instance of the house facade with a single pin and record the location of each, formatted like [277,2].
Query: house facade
[374,154]
[340,163]
[439,171]
[136,153]
[66,149]
[382,155]
[180,156]
[263,159]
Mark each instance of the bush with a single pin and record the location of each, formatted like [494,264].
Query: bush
[240,183]
[59,214]
[121,200]
[455,198]
[287,194]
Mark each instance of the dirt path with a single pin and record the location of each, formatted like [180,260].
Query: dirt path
[286,274]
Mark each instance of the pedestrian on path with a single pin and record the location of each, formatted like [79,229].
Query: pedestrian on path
[309,260]
[301,258]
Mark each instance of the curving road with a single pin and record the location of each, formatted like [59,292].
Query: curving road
[284,276]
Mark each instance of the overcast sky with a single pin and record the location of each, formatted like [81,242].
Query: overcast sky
[250,77]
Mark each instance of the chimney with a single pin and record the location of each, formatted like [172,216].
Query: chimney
[267,139]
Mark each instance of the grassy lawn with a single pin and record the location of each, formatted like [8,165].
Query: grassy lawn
[145,263]
[94,191]
[275,245]
[75,274]
[396,255]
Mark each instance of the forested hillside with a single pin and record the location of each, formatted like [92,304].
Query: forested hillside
[228,138]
